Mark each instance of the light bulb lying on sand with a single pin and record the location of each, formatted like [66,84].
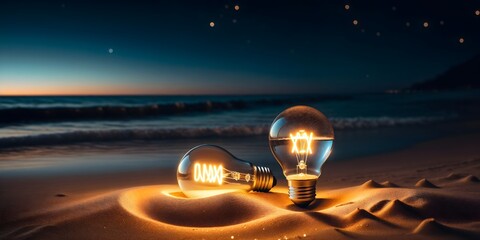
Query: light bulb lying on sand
[301,140]
[208,170]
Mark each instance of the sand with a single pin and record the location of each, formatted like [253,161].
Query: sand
[429,191]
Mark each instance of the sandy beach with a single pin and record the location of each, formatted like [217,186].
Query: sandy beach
[428,191]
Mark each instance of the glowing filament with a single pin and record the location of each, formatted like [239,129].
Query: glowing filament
[208,173]
[302,143]
[302,147]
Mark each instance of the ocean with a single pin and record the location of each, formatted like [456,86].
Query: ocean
[65,134]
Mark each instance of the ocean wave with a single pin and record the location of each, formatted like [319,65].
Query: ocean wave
[179,133]
[131,134]
[375,122]
[52,114]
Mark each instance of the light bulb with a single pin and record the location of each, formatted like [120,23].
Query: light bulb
[208,170]
[301,140]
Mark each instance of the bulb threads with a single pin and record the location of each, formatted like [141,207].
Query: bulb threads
[263,180]
[302,192]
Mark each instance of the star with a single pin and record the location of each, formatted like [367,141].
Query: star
[237,7]
[461,40]
[347,6]
[355,22]
[110,50]
[425,24]
[407,24]
[477,12]
[212,24]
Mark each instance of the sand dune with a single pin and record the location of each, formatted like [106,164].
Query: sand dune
[161,211]
[431,227]
[371,184]
[425,184]
[469,179]
[389,184]
[452,176]
[398,209]
[459,178]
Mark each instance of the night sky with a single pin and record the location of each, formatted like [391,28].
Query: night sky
[230,47]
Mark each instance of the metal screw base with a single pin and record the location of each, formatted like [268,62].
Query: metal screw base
[263,180]
[302,192]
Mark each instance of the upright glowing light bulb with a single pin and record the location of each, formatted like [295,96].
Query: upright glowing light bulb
[208,170]
[301,140]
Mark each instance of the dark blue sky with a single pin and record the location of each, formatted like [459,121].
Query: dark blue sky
[169,47]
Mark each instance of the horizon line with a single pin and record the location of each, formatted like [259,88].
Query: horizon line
[180,94]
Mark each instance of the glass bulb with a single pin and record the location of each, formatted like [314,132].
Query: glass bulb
[301,140]
[208,170]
